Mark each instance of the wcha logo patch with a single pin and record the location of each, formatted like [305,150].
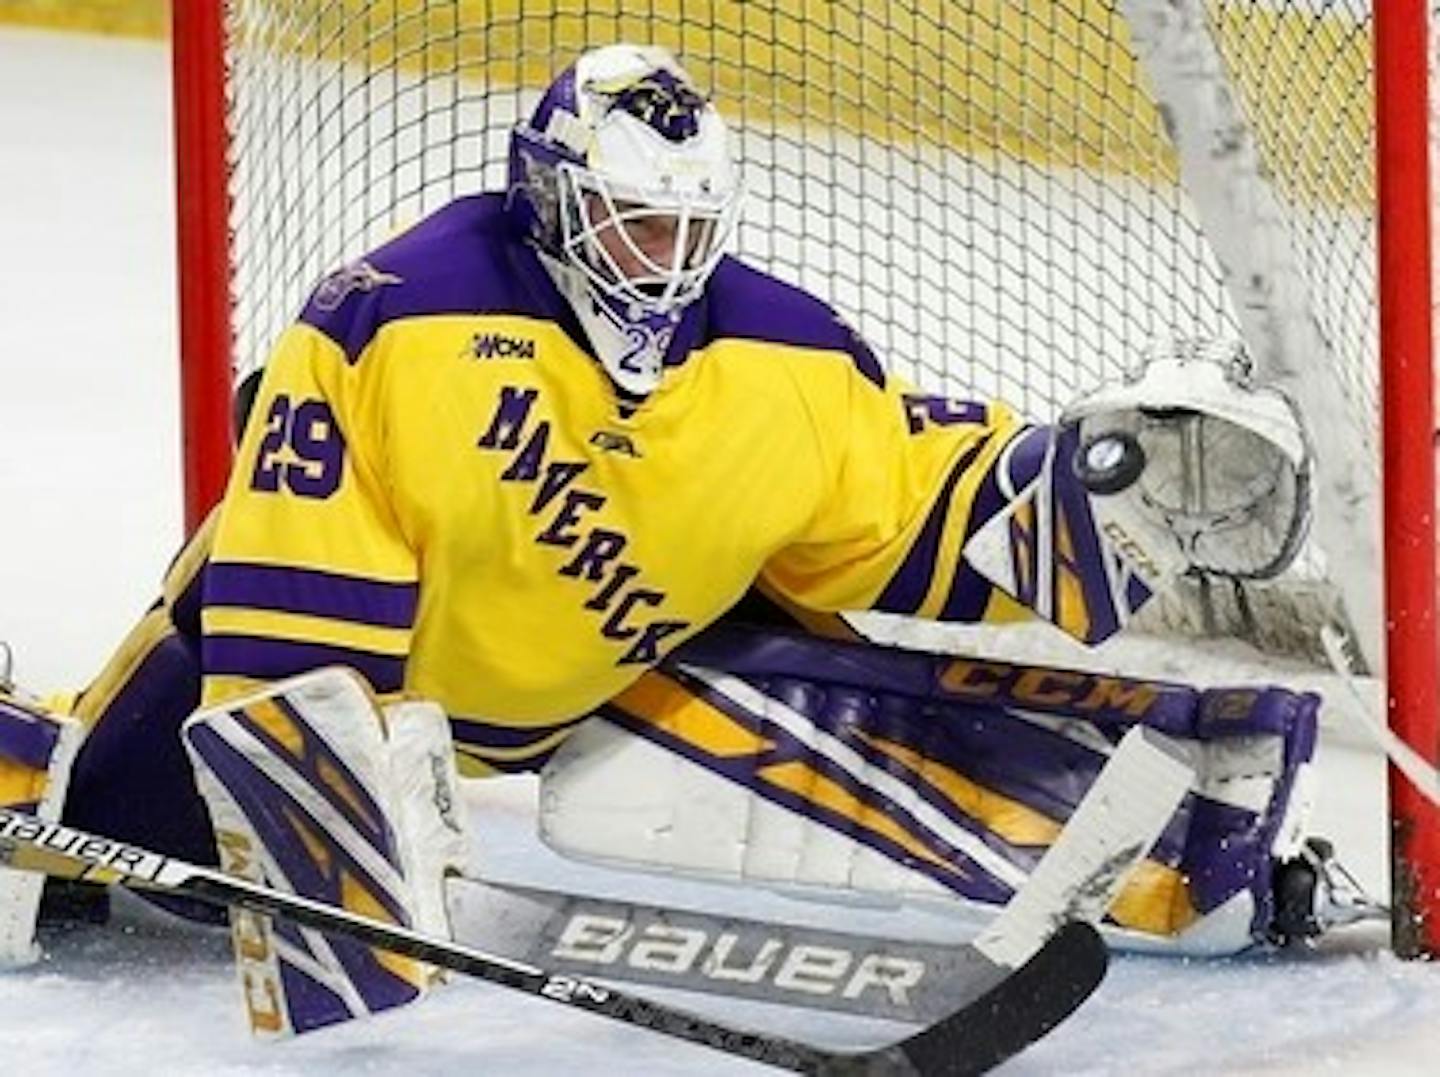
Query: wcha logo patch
[500,346]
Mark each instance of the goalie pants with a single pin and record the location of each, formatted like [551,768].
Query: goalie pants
[132,780]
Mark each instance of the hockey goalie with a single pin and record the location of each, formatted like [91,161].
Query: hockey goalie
[552,483]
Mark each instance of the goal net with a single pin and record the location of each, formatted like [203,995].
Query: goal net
[1010,199]
[987,189]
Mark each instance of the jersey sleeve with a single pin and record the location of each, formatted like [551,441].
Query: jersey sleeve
[916,485]
[310,565]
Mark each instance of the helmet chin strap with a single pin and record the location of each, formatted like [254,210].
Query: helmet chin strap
[629,341]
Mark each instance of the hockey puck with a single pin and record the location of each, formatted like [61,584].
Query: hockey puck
[1108,463]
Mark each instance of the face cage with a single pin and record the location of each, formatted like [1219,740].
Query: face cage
[701,235]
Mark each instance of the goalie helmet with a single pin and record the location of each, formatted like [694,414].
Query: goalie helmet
[624,173]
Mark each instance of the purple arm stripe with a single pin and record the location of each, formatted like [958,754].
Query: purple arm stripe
[906,589]
[1089,561]
[271,659]
[309,591]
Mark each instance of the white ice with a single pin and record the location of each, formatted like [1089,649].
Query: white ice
[89,477]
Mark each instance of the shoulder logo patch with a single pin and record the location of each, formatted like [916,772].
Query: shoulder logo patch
[359,276]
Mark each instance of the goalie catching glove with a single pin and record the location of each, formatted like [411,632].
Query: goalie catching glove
[1191,466]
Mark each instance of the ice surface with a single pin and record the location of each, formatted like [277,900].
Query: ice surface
[89,474]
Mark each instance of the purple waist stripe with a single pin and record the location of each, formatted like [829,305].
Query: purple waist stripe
[309,591]
[482,734]
[272,659]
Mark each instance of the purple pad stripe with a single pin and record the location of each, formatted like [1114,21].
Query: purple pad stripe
[1022,458]
[906,589]
[1215,878]
[1025,456]
[968,598]
[985,743]
[310,591]
[1137,593]
[379,987]
[290,932]
[309,767]
[970,740]
[967,878]
[982,741]
[1245,711]
[25,737]
[313,1005]
[273,659]
[844,712]
[269,809]
[310,1004]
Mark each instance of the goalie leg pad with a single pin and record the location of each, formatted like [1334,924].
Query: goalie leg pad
[304,790]
[851,769]
[37,750]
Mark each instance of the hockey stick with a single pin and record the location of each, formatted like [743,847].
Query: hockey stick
[715,952]
[1033,965]
[1406,759]
[700,948]
[1019,1006]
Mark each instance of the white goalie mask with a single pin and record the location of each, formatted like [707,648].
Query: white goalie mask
[624,173]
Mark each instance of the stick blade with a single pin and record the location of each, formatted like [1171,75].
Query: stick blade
[1020,1009]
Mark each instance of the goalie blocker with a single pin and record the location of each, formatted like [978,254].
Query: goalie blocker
[314,790]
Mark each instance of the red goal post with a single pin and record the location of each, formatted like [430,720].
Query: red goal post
[1007,198]
[1406,300]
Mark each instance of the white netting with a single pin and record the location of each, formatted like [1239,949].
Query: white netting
[984,187]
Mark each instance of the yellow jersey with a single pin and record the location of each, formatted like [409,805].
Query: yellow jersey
[440,487]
